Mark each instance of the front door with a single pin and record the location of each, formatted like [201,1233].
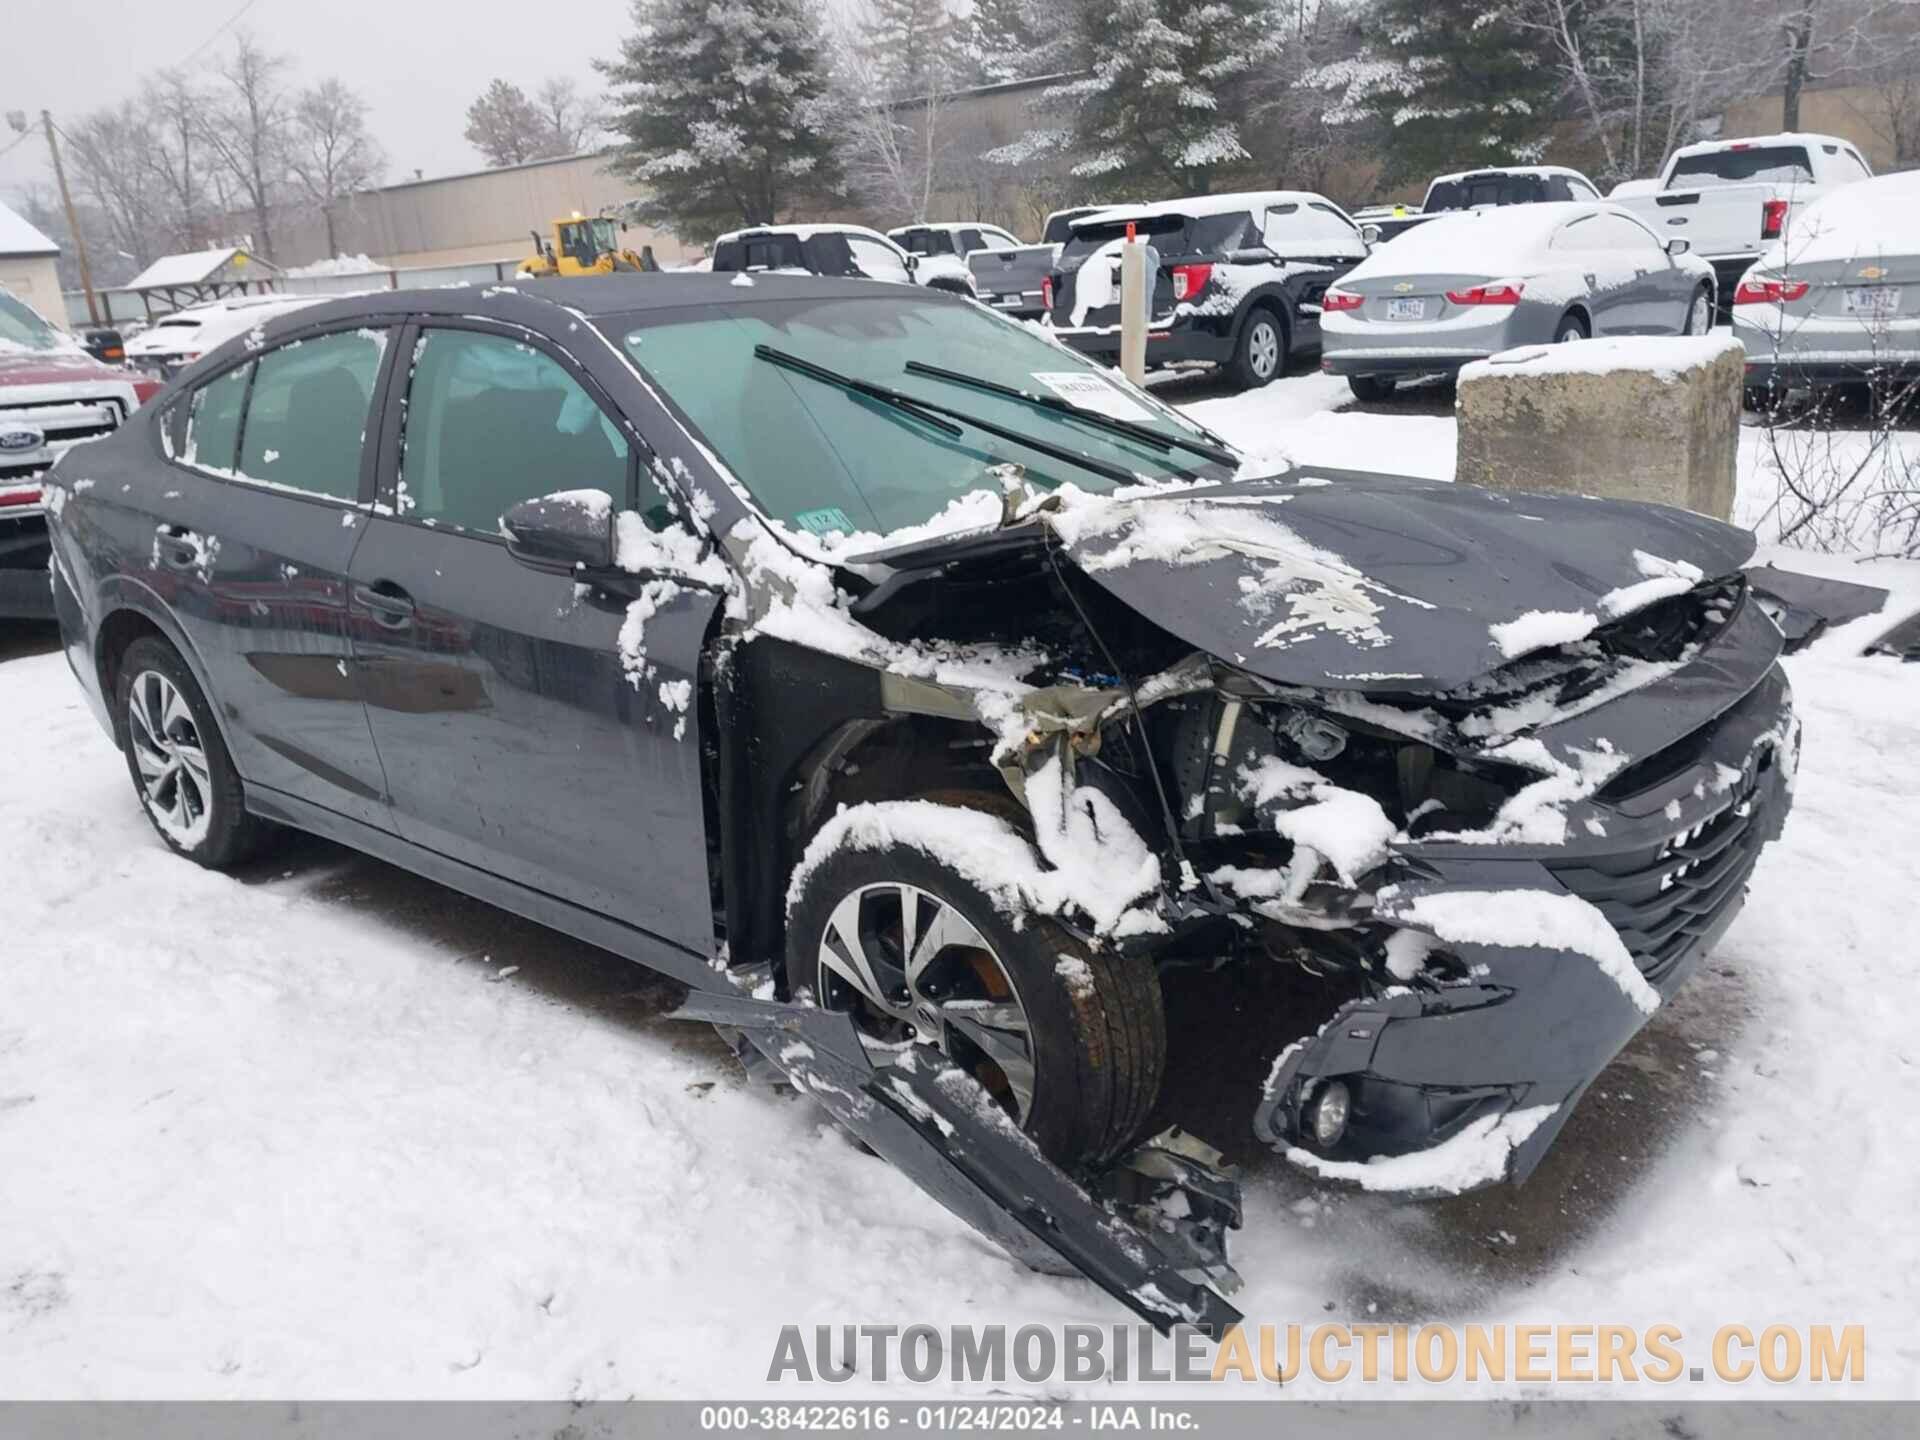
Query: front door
[256,527]
[534,727]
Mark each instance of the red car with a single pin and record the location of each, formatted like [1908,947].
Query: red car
[53,396]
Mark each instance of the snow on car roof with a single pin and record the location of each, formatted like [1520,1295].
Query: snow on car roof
[1199,205]
[1755,142]
[1880,216]
[802,232]
[17,237]
[1475,242]
[1459,175]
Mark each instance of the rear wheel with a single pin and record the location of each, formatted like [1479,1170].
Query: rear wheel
[181,771]
[1371,389]
[1069,1040]
[1261,352]
[1572,327]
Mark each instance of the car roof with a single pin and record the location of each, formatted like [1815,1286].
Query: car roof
[803,232]
[1754,142]
[1200,205]
[945,225]
[594,297]
[1479,170]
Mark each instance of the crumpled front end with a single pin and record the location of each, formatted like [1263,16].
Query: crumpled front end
[1504,880]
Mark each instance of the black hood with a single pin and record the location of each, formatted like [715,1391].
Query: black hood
[1368,582]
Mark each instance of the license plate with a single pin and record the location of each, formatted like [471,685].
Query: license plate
[1406,309]
[1873,300]
[1010,301]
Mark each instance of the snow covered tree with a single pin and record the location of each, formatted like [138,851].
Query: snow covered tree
[723,110]
[1450,83]
[1162,109]
[1014,40]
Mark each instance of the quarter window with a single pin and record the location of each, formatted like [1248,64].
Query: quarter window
[493,421]
[213,421]
[307,416]
[877,261]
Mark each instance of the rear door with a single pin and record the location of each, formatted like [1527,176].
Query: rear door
[536,728]
[255,532]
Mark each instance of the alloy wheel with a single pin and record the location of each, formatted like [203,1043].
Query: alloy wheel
[175,783]
[1699,314]
[1263,348]
[911,969]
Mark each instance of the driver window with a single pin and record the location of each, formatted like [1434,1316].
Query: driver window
[492,421]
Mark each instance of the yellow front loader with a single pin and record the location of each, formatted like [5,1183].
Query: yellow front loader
[583,246]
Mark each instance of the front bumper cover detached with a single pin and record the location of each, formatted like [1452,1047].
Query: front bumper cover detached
[1456,1086]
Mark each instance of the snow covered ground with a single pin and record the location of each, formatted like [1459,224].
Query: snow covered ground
[309,1132]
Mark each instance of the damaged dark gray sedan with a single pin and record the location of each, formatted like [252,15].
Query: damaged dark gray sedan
[931,703]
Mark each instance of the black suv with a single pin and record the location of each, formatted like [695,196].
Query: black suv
[1238,285]
[926,700]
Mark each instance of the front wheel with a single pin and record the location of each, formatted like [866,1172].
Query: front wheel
[1261,352]
[181,771]
[1700,312]
[1069,1040]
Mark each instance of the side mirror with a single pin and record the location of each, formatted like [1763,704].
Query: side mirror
[1679,247]
[569,531]
[913,261]
[1370,233]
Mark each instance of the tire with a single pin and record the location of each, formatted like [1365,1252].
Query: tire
[196,806]
[1371,389]
[1097,1033]
[1260,354]
[1571,327]
[1699,312]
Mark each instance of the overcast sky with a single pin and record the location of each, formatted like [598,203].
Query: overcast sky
[417,62]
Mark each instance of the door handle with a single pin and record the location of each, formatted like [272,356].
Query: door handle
[171,549]
[389,604]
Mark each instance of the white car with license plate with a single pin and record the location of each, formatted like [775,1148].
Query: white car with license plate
[1838,300]
[1465,286]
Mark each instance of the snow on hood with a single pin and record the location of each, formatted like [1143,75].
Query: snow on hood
[1382,583]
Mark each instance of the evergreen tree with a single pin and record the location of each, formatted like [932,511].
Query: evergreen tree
[1450,83]
[723,112]
[1015,40]
[1163,109]
[913,47]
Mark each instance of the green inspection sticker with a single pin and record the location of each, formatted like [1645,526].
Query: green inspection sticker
[825,522]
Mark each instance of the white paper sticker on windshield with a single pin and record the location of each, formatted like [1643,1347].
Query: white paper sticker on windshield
[1085,390]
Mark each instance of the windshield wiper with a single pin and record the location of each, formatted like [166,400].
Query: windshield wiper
[930,412]
[1146,434]
[898,400]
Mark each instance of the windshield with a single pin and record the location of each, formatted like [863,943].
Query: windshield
[821,459]
[1470,192]
[22,328]
[1775,164]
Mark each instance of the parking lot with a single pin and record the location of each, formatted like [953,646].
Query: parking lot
[325,1128]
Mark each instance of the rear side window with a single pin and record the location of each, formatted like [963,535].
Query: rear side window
[213,421]
[759,252]
[1849,167]
[1311,229]
[1473,192]
[877,261]
[307,417]
[491,422]
[1775,164]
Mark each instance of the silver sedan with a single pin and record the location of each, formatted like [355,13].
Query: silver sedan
[1467,286]
[1837,300]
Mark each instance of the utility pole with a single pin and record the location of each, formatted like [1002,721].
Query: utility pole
[73,220]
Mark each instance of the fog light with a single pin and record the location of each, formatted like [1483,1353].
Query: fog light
[1329,1112]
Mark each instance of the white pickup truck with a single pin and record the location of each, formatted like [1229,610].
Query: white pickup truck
[1731,199]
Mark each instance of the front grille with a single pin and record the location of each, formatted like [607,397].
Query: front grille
[1663,899]
[64,423]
